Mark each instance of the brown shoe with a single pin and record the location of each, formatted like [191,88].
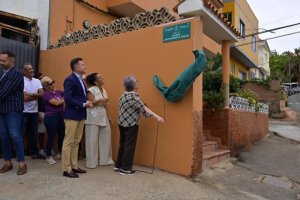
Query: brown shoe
[6,168]
[22,170]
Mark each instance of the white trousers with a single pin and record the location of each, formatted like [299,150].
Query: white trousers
[98,145]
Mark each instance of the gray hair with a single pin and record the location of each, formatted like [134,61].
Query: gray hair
[129,83]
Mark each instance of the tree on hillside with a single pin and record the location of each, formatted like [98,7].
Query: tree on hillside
[285,66]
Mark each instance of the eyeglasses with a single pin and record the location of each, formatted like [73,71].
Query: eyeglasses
[52,83]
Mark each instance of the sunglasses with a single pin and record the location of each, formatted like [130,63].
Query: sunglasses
[52,83]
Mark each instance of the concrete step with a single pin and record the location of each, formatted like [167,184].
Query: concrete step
[209,145]
[215,139]
[213,157]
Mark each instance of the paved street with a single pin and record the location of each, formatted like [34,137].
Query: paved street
[290,127]
[46,182]
[294,102]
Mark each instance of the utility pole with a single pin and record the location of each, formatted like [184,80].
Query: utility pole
[290,70]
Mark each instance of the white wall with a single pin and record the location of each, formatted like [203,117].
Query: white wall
[36,9]
[263,57]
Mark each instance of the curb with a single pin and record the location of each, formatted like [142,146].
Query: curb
[281,136]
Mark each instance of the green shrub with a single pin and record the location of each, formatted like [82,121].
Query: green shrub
[212,81]
[248,94]
[235,84]
[213,99]
[283,95]
[213,93]
[262,82]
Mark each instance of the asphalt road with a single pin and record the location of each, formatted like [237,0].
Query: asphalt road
[294,102]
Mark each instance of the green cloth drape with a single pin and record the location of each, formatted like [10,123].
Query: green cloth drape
[184,81]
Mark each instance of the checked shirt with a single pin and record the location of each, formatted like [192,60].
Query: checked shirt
[130,107]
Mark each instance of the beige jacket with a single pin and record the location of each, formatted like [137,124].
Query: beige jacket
[97,115]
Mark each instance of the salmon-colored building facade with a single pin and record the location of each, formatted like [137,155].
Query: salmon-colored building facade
[134,46]
[68,15]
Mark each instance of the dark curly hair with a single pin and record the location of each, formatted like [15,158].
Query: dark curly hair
[91,78]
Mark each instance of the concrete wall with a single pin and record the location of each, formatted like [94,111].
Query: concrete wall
[31,9]
[154,4]
[143,54]
[238,130]
[68,15]
[146,5]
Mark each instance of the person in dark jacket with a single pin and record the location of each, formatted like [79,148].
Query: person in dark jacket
[11,112]
[75,112]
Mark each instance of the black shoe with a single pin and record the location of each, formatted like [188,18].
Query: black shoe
[70,174]
[79,171]
[39,156]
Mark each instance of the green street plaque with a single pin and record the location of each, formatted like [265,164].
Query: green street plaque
[177,32]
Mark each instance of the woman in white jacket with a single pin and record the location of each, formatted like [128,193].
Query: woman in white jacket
[97,124]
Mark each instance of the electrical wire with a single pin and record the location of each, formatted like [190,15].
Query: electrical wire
[271,38]
[270,30]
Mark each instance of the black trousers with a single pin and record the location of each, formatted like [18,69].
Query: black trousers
[128,138]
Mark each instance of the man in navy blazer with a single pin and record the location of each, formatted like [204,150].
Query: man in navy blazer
[75,112]
[11,112]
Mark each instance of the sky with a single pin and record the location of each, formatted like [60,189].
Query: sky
[276,13]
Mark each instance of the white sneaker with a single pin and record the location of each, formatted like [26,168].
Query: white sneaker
[116,168]
[126,172]
[42,152]
[58,156]
[50,160]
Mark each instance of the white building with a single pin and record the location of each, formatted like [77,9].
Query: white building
[263,70]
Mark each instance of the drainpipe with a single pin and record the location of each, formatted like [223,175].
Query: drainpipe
[226,70]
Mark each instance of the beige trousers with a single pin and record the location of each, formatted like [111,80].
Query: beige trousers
[98,145]
[73,134]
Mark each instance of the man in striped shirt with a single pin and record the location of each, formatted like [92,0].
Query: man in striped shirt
[11,112]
